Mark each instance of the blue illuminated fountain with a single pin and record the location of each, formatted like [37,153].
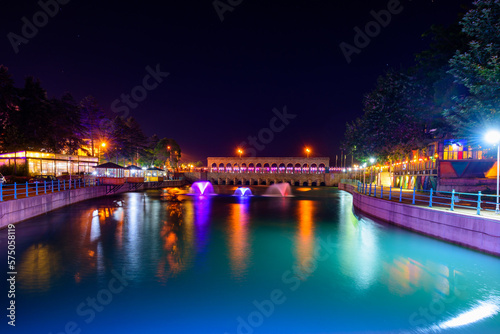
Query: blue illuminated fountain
[202,188]
[243,192]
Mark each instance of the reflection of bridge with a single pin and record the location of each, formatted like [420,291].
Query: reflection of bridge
[265,171]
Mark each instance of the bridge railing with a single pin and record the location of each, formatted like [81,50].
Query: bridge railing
[23,190]
[450,199]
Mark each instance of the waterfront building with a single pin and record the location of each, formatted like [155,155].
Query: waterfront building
[155,174]
[441,165]
[41,163]
[110,173]
[134,174]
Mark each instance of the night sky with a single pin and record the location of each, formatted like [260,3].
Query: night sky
[225,77]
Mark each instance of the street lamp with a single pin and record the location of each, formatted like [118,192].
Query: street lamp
[493,137]
[103,145]
[308,151]
[364,173]
[240,152]
[372,160]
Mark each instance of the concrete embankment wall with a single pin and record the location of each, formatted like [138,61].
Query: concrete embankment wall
[474,232]
[14,211]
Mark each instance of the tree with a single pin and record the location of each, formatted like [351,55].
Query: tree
[30,123]
[126,139]
[92,118]
[396,120]
[67,133]
[9,100]
[478,69]
[167,152]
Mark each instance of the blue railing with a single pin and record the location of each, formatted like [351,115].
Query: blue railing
[431,198]
[22,190]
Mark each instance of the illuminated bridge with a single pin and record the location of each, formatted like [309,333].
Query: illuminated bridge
[298,171]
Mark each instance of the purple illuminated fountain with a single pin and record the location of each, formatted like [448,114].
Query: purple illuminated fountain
[202,188]
[279,190]
[243,192]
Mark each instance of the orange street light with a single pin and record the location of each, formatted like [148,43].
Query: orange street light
[240,152]
[103,145]
[308,151]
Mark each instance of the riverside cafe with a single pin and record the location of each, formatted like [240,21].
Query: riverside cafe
[155,174]
[41,163]
[110,174]
[113,174]
[134,174]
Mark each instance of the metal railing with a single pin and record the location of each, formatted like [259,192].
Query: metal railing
[431,198]
[23,190]
[415,166]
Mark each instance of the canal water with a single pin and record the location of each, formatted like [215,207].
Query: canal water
[146,262]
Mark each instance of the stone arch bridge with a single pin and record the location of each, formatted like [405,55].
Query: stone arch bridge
[298,171]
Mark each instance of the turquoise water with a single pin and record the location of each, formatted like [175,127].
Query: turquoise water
[142,263]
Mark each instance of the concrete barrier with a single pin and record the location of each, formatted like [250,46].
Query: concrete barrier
[14,211]
[471,231]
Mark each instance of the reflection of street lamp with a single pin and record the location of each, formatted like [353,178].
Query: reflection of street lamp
[493,137]
[308,151]
[240,152]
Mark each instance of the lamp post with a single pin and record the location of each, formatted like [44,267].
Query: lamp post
[308,151]
[103,145]
[240,152]
[364,173]
[493,137]
[372,160]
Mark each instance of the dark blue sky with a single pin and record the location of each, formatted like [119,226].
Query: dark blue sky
[225,76]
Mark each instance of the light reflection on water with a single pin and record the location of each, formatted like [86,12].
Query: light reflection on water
[239,250]
[199,264]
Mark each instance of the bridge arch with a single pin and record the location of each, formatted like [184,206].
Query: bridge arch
[305,168]
[266,168]
[321,168]
[281,168]
[229,168]
[297,169]
[314,168]
[274,168]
